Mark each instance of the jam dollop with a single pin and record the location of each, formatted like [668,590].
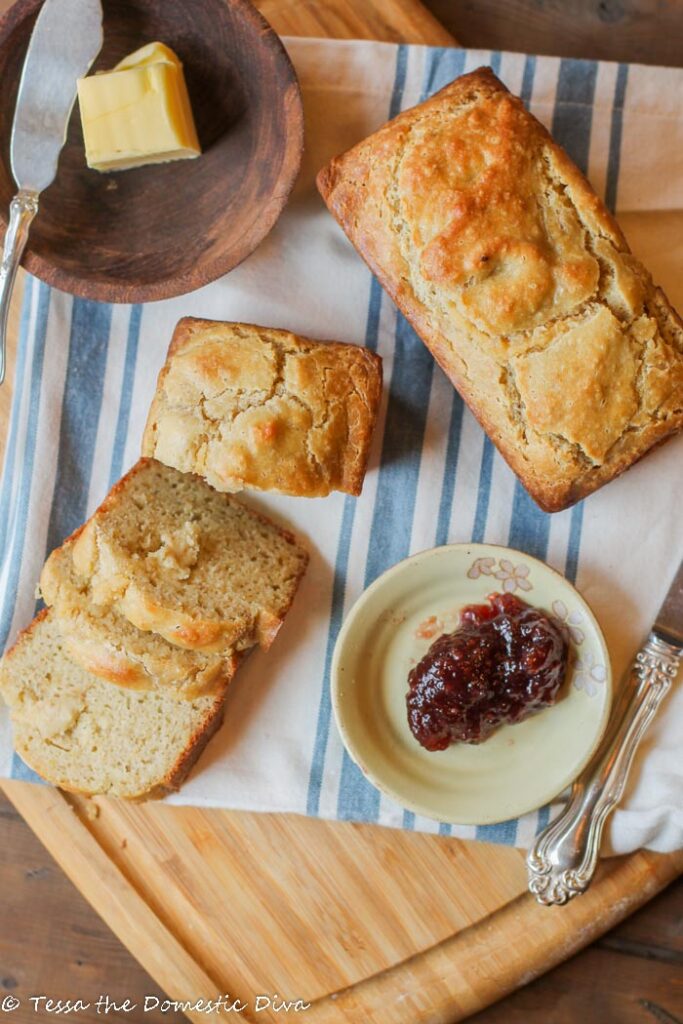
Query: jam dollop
[504,662]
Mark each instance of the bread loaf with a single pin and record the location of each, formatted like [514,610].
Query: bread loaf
[247,406]
[89,736]
[513,272]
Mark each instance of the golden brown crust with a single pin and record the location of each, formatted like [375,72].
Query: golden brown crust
[206,727]
[205,731]
[249,406]
[120,582]
[108,646]
[518,279]
[24,635]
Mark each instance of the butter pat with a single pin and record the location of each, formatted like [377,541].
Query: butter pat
[138,113]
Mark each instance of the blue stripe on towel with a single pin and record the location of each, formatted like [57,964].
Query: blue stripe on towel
[528,80]
[392,519]
[443,65]
[435,60]
[571,565]
[19,513]
[614,158]
[322,732]
[123,418]
[450,471]
[344,543]
[504,832]
[81,405]
[573,114]
[20,770]
[484,493]
[543,818]
[11,452]
[529,526]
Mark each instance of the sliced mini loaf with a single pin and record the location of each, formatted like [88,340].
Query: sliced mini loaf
[174,556]
[89,736]
[247,406]
[105,643]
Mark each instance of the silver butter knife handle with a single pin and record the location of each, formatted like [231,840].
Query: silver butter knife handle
[562,861]
[22,210]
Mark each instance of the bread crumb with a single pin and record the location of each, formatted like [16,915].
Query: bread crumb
[92,810]
[179,550]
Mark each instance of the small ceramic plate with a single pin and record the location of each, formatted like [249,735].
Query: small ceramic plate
[520,767]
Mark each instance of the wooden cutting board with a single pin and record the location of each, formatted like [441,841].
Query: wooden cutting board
[363,923]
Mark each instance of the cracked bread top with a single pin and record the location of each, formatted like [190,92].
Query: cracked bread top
[513,272]
[172,555]
[247,406]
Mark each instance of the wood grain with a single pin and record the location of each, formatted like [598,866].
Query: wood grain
[406,927]
[637,31]
[631,976]
[160,231]
[50,939]
[397,21]
[255,900]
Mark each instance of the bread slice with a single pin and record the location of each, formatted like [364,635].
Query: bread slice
[248,406]
[172,555]
[88,736]
[105,643]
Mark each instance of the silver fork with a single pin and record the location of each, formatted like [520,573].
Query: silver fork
[562,861]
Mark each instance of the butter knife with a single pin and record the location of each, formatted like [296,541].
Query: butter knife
[562,861]
[66,38]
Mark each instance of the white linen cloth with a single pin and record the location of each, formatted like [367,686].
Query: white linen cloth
[87,372]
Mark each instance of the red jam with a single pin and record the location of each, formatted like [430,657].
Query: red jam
[504,662]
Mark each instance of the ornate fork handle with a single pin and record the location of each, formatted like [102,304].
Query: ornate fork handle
[562,861]
[23,209]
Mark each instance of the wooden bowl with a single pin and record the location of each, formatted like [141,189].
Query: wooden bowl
[158,231]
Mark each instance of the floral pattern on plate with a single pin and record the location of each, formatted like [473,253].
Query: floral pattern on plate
[589,674]
[513,577]
[570,620]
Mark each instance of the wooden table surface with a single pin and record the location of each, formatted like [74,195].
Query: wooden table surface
[52,941]
[50,938]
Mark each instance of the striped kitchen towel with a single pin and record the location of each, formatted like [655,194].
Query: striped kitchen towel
[86,373]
